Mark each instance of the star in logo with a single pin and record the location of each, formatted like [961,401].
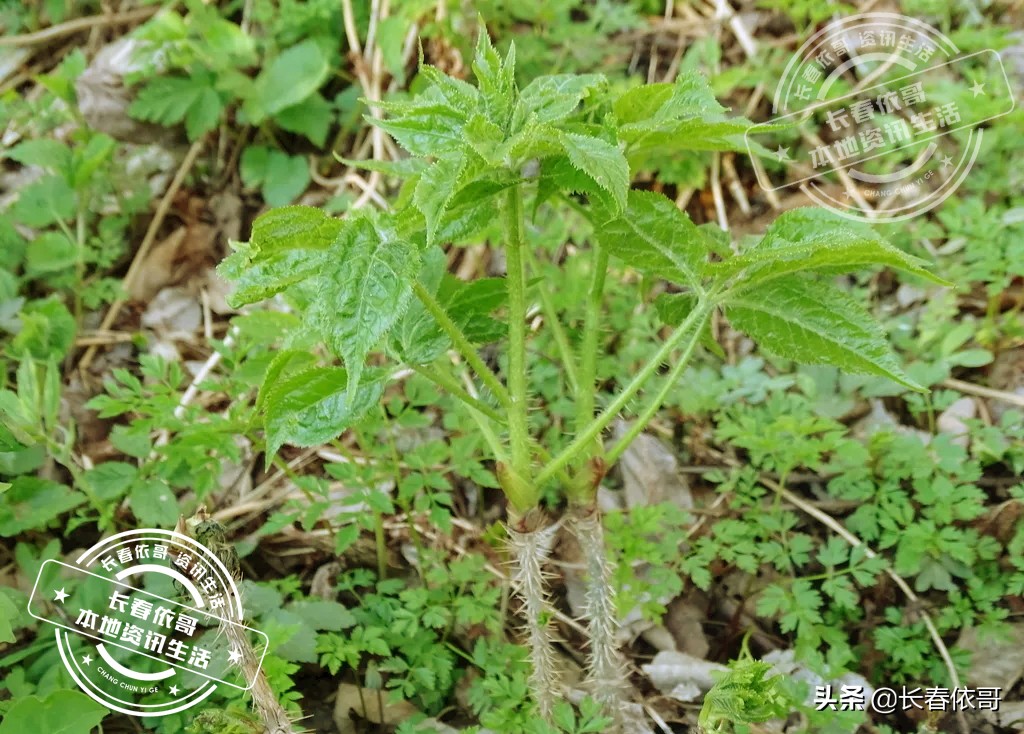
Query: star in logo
[782,154]
[947,161]
[173,690]
[978,88]
[87,659]
[234,656]
[60,595]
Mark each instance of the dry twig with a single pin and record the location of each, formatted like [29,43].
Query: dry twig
[78,25]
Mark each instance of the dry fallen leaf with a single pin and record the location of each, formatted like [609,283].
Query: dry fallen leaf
[951,420]
[178,259]
[681,676]
[650,473]
[104,99]
[684,620]
[173,310]
[995,662]
[1006,373]
[365,703]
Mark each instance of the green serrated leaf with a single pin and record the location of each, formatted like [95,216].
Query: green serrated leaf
[601,161]
[559,176]
[423,127]
[287,80]
[554,97]
[366,285]
[815,240]
[111,479]
[470,305]
[281,177]
[647,144]
[311,117]
[167,99]
[456,93]
[437,185]
[49,154]
[471,210]
[88,159]
[287,245]
[536,140]
[47,330]
[404,168]
[495,79]
[323,615]
[154,504]
[203,114]
[690,96]
[61,712]
[50,252]
[416,338]
[654,236]
[47,201]
[814,323]
[284,363]
[673,308]
[642,102]
[34,503]
[314,406]
[484,137]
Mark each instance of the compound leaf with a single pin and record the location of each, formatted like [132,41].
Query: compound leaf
[287,245]
[294,75]
[814,323]
[654,236]
[314,406]
[556,96]
[811,239]
[601,161]
[34,503]
[436,187]
[364,287]
[62,712]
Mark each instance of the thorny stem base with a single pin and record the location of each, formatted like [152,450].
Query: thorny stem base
[605,666]
[275,719]
[530,550]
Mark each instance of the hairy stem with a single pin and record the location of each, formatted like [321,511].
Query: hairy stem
[588,348]
[518,426]
[490,437]
[275,718]
[447,382]
[530,550]
[593,430]
[656,402]
[557,329]
[461,343]
[605,666]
